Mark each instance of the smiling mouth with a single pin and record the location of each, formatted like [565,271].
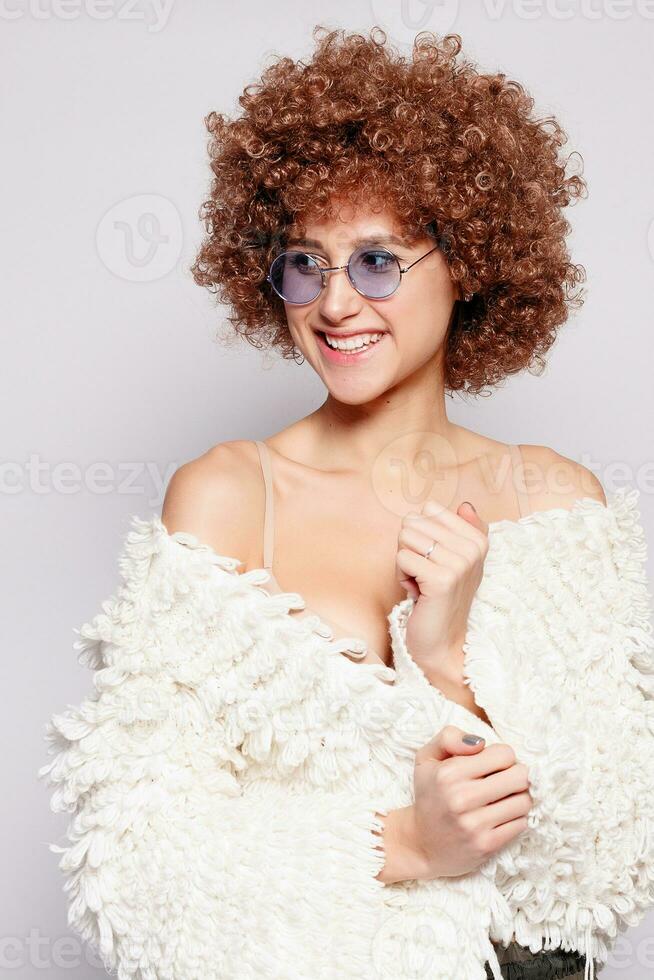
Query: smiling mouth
[352,344]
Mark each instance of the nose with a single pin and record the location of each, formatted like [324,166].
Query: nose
[339,298]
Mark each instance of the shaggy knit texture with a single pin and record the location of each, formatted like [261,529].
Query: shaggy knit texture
[224,774]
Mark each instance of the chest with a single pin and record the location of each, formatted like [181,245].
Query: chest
[348,580]
[333,540]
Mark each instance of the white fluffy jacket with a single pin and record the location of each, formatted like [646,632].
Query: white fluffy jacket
[224,773]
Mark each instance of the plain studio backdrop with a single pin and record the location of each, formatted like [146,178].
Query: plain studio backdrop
[111,372]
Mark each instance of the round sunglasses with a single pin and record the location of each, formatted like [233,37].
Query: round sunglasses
[375,272]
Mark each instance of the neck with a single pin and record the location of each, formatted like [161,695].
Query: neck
[403,422]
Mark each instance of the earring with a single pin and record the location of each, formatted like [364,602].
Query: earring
[468,297]
[296,352]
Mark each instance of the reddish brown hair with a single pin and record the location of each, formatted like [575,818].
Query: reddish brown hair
[450,150]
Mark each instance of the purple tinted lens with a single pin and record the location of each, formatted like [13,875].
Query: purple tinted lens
[296,277]
[375,272]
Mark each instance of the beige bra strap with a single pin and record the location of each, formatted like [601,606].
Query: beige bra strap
[269,513]
[519,480]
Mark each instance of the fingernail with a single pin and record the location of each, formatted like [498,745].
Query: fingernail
[470,505]
[472,739]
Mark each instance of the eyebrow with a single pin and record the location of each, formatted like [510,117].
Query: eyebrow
[381,239]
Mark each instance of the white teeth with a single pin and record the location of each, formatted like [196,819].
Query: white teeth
[353,343]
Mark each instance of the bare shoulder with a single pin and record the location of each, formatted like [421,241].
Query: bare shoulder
[214,497]
[553,480]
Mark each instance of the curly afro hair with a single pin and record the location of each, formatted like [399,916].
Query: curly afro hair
[452,152]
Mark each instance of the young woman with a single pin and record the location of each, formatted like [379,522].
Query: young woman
[249,804]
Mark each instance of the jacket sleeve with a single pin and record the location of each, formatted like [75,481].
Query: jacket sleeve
[559,652]
[177,866]
[568,683]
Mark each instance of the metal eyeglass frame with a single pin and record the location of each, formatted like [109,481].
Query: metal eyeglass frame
[336,268]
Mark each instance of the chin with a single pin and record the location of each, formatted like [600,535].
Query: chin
[356,393]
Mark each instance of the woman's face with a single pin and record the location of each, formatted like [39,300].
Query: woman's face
[412,321]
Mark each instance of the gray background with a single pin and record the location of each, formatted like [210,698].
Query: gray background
[111,373]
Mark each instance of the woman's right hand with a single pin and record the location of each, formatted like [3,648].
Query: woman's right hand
[469,801]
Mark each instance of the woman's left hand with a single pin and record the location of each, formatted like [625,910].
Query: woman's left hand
[442,585]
